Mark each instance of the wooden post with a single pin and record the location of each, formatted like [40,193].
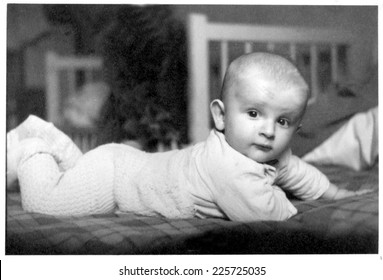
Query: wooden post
[199,113]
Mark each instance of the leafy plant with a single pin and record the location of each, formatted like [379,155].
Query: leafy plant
[145,61]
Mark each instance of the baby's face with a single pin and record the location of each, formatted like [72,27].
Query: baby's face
[262,117]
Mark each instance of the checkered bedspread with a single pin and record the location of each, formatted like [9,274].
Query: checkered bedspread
[345,226]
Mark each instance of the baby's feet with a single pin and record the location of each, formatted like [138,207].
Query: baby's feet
[17,151]
[32,127]
[63,148]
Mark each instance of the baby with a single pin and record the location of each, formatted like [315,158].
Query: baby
[239,173]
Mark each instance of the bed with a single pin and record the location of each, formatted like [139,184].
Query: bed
[347,226]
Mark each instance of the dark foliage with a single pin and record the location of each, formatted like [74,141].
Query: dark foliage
[145,60]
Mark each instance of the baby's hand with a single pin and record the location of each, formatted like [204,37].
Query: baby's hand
[335,193]
[341,193]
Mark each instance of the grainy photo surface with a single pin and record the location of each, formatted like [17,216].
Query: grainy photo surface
[191,130]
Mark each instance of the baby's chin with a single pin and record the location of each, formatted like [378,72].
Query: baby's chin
[262,158]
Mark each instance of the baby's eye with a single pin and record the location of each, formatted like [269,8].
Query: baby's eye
[252,113]
[284,122]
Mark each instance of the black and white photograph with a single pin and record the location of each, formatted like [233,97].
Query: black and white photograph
[192,130]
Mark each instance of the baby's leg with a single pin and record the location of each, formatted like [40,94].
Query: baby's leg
[86,188]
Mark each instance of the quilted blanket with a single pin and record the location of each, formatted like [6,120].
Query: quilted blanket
[320,227]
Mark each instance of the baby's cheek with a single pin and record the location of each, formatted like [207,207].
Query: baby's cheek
[284,141]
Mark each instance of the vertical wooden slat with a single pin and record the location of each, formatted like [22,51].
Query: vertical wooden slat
[52,88]
[334,63]
[76,140]
[248,47]
[314,73]
[293,51]
[71,72]
[174,144]
[199,114]
[93,140]
[270,47]
[224,58]
[86,142]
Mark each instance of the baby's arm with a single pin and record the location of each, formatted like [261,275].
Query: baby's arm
[307,182]
[335,193]
[301,179]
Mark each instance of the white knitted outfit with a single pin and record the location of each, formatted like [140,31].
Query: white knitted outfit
[209,179]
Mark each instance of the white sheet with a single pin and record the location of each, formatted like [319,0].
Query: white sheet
[354,145]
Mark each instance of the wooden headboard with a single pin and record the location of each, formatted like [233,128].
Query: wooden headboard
[320,54]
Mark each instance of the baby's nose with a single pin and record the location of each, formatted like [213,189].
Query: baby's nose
[268,129]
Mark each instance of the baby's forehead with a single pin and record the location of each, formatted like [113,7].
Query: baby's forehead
[258,82]
[267,93]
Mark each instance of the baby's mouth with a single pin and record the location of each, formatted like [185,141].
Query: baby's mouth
[264,147]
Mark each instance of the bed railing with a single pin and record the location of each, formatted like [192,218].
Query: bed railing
[69,66]
[64,76]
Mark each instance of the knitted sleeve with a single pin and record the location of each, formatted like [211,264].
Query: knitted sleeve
[302,179]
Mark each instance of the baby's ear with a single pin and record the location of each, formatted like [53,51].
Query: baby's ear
[299,127]
[217,109]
